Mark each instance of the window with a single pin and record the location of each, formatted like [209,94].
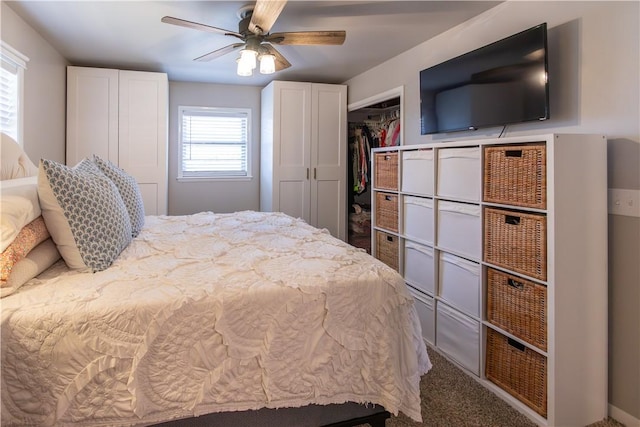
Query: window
[214,142]
[13,64]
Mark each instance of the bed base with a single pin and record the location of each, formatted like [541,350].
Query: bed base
[376,420]
[343,415]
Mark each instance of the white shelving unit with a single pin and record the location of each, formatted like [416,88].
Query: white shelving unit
[467,250]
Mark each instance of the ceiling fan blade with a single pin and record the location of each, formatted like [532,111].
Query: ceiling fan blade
[219,52]
[197,26]
[308,37]
[281,61]
[264,15]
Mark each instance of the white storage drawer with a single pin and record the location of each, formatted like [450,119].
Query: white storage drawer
[418,218]
[459,228]
[459,173]
[417,172]
[459,337]
[426,314]
[419,269]
[460,283]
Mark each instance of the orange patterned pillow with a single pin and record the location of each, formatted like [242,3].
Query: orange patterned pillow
[28,238]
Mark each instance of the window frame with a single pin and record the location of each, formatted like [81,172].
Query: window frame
[214,176]
[18,61]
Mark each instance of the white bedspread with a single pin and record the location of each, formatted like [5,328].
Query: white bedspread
[207,313]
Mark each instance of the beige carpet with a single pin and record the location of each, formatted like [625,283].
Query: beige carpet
[452,398]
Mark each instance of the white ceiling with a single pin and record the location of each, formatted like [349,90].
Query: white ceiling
[129,34]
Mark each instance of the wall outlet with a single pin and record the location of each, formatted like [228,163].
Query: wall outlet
[624,202]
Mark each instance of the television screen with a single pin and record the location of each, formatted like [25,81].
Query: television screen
[502,83]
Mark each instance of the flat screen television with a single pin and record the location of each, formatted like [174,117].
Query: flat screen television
[502,83]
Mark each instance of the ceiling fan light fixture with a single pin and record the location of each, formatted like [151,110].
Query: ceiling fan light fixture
[244,69]
[267,64]
[248,58]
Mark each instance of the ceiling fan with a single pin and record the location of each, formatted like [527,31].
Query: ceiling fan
[256,41]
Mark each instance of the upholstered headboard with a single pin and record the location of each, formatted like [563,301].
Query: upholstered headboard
[14,161]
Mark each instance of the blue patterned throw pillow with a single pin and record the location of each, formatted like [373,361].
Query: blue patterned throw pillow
[84,213]
[129,191]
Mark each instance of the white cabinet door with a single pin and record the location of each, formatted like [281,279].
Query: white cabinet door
[142,119]
[291,150]
[328,158]
[92,114]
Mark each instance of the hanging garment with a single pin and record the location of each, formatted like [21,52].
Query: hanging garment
[382,134]
[392,138]
[359,161]
[353,148]
[395,137]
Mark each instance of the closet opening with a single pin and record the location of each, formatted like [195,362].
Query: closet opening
[374,122]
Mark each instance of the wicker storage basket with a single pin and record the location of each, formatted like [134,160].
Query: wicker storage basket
[386,170]
[387,211]
[387,249]
[518,370]
[516,241]
[518,306]
[516,175]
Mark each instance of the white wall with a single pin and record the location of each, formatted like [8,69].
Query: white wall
[593,48]
[594,56]
[217,196]
[44,89]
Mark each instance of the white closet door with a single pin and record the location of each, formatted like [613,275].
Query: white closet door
[143,103]
[92,114]
[328,158]
[291,149]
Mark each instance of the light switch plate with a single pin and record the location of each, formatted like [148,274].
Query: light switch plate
[624,202]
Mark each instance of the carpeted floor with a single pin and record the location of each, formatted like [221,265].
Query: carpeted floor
[452,398]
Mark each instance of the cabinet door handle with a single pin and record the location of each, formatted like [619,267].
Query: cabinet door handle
[515,284]
[512,219]
[515,344]
[315,174]
[307,173]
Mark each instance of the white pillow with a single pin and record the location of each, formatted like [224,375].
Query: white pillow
[84,213]
[14,162]
[19,206]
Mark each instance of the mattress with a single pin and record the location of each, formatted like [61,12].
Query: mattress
[209,313]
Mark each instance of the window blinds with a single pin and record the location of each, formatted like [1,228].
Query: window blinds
[214,142]
[9,102]
[12,65]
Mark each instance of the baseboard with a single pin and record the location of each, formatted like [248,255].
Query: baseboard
[621,416]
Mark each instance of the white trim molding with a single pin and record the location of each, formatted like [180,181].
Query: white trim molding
[16,63]
[11,54]
[623,417]
[389,94]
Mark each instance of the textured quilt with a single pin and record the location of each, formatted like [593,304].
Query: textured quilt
[207,313]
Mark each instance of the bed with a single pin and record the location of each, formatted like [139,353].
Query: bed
[249,314]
